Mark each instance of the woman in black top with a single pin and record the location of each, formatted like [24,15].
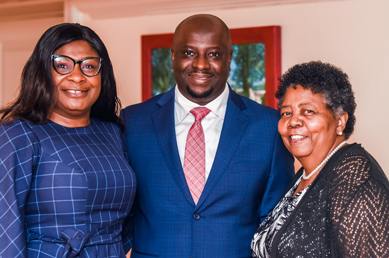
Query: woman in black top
[338,202]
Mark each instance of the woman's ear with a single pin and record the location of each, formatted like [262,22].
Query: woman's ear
[342,120]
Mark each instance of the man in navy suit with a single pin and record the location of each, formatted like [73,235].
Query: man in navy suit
[246,166]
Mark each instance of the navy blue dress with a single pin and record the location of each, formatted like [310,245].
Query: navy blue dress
[64,192]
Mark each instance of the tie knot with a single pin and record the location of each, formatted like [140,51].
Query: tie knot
[200,112]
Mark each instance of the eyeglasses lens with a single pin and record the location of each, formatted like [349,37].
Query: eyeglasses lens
[90,67]
[64,65]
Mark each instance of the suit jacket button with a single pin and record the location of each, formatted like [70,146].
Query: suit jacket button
[196,216]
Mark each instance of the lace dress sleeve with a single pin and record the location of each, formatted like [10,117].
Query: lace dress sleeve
[361,217]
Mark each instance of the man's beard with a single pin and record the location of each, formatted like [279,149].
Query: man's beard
[199,96]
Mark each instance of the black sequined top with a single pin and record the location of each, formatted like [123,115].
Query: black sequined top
[263,239]
[344,213]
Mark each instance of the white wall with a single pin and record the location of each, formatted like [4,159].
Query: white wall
[14,61]
[18,40]
[350,34]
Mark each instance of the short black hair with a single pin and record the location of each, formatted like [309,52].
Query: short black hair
[322,78]
[36,97]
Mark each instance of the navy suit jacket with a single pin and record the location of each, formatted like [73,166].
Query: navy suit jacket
[251,169]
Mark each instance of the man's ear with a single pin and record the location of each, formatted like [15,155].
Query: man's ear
[172,54]
[230,58]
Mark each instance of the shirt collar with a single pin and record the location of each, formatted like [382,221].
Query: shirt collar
[183,105]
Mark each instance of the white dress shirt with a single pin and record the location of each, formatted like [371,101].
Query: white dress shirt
[212,124]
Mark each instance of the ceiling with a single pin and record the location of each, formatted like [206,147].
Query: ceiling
[15,10]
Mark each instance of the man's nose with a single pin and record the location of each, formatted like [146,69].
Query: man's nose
[201,62]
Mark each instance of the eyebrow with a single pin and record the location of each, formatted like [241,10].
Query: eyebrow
[188,46]
[305,104]
[300,105]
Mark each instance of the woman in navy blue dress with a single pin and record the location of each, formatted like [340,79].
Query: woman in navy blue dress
[66,187]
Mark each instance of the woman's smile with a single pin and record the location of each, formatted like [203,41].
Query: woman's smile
[307,127]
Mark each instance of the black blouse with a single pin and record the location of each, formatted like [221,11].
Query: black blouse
[344,213]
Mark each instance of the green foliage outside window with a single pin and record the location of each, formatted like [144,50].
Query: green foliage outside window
[161,71]
[247,76]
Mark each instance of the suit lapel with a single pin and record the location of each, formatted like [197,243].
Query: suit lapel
[164,129]
[234,126]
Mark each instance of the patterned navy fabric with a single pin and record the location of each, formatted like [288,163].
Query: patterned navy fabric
[64,192]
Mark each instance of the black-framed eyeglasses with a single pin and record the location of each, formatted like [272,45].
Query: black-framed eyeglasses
[89,66]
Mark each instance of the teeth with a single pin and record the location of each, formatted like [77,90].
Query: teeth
[200,76]
[74,91]
[296,137]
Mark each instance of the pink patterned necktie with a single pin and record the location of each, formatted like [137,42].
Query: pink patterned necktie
[194,161]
